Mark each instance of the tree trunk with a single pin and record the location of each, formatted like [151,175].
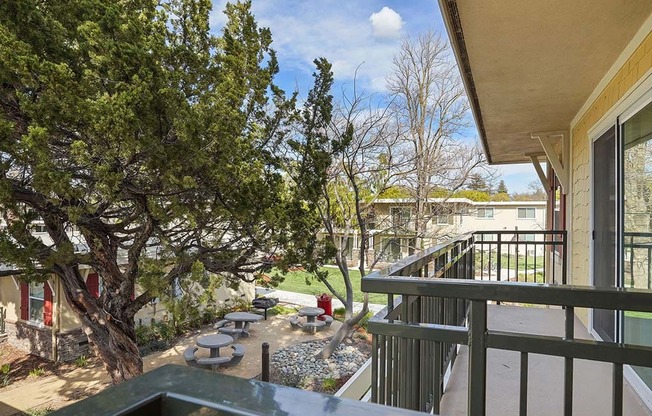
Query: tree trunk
[108,323]
[344,330]
[116,348]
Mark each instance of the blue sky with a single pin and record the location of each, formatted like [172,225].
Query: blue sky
[354,34]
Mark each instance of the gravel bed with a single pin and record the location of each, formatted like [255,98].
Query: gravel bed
[297,366]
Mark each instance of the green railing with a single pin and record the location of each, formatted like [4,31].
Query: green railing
[436,303]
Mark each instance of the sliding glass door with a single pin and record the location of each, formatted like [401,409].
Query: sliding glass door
[637,225]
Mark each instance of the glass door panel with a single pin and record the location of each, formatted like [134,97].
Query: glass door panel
[604,227]
[637,223]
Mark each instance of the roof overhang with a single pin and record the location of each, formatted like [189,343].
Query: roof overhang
[529,66]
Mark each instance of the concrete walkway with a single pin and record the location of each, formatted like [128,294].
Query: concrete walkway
[592,381]
[301,299]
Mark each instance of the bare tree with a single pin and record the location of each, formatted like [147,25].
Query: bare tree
[366,140]
[429,99]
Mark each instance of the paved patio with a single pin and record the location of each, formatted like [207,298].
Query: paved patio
[59,391]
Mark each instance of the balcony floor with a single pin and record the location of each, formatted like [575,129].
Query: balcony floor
[592,380]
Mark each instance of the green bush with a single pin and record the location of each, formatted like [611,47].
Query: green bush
[5,380]
[329,384]
[209,315]
[40,412]
[157,336]
[163,331]
[280,310]
[365,320]
[36,372]
[339,314]
[81,362]
[144,335]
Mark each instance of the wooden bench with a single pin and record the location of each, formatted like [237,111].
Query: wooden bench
[312,327]
[213,362]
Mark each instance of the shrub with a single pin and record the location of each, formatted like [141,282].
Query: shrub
[280,310]
[329,384]
[81,362]
[144,335]
[155,337]
[209,315]
[4,375]
[339,313]
[162,331]
[365,320]
[36,372]
[40,412]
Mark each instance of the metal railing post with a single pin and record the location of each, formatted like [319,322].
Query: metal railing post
[568,362]
[499,257]
[477,358]
[564,260]
[265,362]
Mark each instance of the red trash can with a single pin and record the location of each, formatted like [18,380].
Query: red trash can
[324,301]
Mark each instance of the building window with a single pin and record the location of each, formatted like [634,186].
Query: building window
[400,216]
[444,219]
[485,213]
[36,301]
[526,213]
[346,247]
[39,228]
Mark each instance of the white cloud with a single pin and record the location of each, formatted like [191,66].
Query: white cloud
[217,18]
[342,32]
[386,23]
[303,31]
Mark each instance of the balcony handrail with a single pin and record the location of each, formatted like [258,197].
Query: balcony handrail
[536,232]
[534,293]
[423,320]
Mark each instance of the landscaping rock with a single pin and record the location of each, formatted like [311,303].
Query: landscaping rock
[298,366]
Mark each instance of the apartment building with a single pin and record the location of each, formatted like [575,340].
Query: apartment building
[392,226]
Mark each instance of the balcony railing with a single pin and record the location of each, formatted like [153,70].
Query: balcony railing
[437,301]
[638,260]
[521,256]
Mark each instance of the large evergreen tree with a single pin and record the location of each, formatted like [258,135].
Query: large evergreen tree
[129,122]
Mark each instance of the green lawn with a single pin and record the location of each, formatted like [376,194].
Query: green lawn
[641,315]
[510,261]
[296,282]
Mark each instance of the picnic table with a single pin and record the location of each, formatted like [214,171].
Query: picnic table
[311,325]
[310,313]
[242,320]
[214,342]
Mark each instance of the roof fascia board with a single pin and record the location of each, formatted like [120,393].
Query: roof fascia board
[463,67]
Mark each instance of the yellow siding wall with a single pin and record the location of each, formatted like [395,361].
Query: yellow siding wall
[633,69]
[69,320]
[10,298]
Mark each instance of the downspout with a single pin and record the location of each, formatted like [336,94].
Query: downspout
[56,325]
